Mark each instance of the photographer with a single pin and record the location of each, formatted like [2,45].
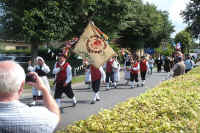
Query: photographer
[16,117]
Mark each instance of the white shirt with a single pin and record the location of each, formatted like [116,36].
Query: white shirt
[16,117]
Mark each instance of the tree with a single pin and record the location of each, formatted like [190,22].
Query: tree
[35,21]
[167,51]
[42,21]
[145,26]
[191,16]
[107,14]
[185,39]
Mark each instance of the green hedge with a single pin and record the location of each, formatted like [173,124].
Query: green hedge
[171,107]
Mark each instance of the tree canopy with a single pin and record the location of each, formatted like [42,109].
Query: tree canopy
[145,26]
[41,21]
[191,16]
[185,39]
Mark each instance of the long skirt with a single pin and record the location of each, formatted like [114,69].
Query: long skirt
[117,76]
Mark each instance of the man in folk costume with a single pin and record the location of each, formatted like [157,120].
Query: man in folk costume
[143,69]
[96,81]
[42,70]
[127,66]
[109,73]
[135,68]
[63,72]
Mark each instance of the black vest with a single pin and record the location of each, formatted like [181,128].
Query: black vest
[40,72]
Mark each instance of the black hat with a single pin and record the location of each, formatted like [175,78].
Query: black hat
[62,55]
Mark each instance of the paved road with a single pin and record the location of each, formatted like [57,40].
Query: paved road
[108,98]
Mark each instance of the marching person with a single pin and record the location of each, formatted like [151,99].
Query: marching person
[109,73]
[151,64]
[63,72]
[87,74]
[42,70]
[143,69]
[96,81]
[116,70]
[159,64]
[127,66]
[135,68]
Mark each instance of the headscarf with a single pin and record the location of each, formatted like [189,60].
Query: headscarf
[40,58]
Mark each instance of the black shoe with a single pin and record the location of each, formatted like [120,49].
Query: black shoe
[92,102]
[97,99]
[74,104]
[61,110]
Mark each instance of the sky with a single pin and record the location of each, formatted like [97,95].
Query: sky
[174,7]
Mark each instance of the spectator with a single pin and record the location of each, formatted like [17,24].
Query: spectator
[189,63]
[179,67]
[16,117]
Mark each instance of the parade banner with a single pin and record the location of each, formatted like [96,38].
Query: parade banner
[93,45]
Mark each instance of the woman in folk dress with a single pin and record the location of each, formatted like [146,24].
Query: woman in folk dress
[116,70]
[42,70]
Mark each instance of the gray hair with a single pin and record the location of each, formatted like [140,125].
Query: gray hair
[11,76]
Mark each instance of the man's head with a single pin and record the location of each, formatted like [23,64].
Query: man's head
[142,57]
[61,57]
[179,58]
[12,77]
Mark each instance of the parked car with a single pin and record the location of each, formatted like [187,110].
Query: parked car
[22,60]
[3,58]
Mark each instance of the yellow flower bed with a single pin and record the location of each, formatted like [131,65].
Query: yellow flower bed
[171,107]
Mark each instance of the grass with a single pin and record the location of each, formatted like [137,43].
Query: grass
[76,79]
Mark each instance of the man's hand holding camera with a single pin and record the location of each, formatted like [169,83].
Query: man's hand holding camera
[36,82]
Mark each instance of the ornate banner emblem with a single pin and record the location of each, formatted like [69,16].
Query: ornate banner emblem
[93,46]
[96,44]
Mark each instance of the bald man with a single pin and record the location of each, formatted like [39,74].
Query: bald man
[16,117]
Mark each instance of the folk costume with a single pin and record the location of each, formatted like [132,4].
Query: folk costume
[151,64]
[42,70]
[116,70]
[127,66]
[167,65]
[109,73]
[159,64]
[143,69]
[96,81]
[135,68]
[88,76]
[63,72]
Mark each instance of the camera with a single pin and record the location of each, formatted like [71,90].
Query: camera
[30,78]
